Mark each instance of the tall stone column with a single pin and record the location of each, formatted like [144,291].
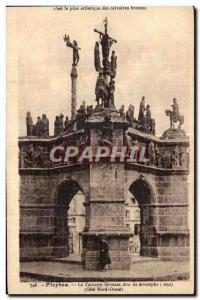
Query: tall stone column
[74,76]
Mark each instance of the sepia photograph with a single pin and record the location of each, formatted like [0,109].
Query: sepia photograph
[100,150]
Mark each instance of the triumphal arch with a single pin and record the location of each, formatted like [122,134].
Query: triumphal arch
[155,172]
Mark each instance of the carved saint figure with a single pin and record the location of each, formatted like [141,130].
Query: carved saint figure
[100,90]
[175,158]
[61,124]
[97,62]
[141,110]
[158,157]
[38,126]
[111,90]
[66,122]
[29,124]
[152,155]
[56,125]
[44,126]
[130,114]
[121,112]
[148,114]
[75,48]
[113,64]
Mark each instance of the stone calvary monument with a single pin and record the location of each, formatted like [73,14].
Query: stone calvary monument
[159,183]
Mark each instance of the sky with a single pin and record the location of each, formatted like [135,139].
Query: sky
[155,59]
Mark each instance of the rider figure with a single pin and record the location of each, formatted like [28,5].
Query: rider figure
[175,110]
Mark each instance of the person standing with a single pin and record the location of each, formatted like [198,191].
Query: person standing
[104,253]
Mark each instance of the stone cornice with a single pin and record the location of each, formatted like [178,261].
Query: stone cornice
[49,171]
[162,142]
[50,139]
[155,170]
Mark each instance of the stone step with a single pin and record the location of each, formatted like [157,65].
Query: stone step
[71,259]
[139,259]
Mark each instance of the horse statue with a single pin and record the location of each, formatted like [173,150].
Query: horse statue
[179,118]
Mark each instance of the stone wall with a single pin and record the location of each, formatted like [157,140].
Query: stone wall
[164,221]
[43,221]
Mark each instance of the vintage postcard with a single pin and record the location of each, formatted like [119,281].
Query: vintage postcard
[100,150]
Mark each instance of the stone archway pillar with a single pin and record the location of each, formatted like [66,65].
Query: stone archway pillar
[106,204]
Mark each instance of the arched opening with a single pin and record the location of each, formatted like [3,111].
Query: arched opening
[76,223]
[132,221]
[143,197]
[70,218]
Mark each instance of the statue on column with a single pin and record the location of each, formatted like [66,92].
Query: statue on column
[29,124]
[75,48]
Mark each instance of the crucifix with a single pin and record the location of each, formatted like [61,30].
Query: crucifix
[106,42]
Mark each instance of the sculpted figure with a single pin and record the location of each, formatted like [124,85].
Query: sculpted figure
[100,90]
[56,125]
[181,158]
[158,157]
[106,42]
[175,158]
[152,127]
[113,64]
[130,115]
[61,124]
[97,62]
[175,108]
[121,112]
[142,110]
[89,109]
[111,90]
[29,124]
[75,48]
[148,114]
[29,157]
[44,126]
[66,123]
[152,154]
[175,115]
[38,126]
